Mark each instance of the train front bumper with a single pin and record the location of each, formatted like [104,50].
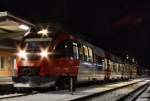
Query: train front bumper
[33,82]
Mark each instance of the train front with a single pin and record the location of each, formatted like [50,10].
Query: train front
[32,62]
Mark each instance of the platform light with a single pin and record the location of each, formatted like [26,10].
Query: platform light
[24,27]
[103,60]
[127,57]
[43,32]
[133,60]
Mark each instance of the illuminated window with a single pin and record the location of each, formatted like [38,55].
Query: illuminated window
[119,68]
[85,52]
[75,51]
[114,67]
[81,54]
[90,54]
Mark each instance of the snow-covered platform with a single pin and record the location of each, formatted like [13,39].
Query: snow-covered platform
[65,95]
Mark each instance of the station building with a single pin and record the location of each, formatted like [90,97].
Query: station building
[12,29]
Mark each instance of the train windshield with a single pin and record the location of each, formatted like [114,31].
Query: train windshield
[35,44]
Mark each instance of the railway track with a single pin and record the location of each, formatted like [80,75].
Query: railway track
[132,96]
[16,95]
[124,93]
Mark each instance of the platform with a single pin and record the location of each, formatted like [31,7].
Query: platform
[65,95]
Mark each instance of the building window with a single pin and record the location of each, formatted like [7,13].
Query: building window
[2,62]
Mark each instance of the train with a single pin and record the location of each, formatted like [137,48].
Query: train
[45,59]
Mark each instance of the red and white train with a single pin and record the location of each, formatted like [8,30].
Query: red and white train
[44,60]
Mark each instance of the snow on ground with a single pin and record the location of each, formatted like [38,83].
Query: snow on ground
[65,95]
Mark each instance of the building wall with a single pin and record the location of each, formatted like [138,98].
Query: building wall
[7,63]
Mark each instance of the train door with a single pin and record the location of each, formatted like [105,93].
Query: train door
[99,65]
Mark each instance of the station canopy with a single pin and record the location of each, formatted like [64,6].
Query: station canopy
[12,28]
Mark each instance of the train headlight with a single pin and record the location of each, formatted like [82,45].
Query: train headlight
[44,53]
[22,54]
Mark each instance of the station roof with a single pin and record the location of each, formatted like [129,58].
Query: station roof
[13,28]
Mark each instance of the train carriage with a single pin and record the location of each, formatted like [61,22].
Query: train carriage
[45,60]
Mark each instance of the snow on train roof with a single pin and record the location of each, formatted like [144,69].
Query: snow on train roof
[96,50]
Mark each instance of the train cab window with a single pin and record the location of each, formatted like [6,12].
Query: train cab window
[90,54]
[85,52]
[64,49]
[75,50]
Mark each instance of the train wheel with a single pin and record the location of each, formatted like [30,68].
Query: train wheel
[24,90]
[62,82]
[66,82]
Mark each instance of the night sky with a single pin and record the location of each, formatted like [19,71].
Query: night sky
[119,26]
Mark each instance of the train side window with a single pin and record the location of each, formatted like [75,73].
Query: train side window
[94,58]
[90,54]
[118,67]
[99,62]
[114,67]
[121,67]
[85,52]
[81,52]
[75,50]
